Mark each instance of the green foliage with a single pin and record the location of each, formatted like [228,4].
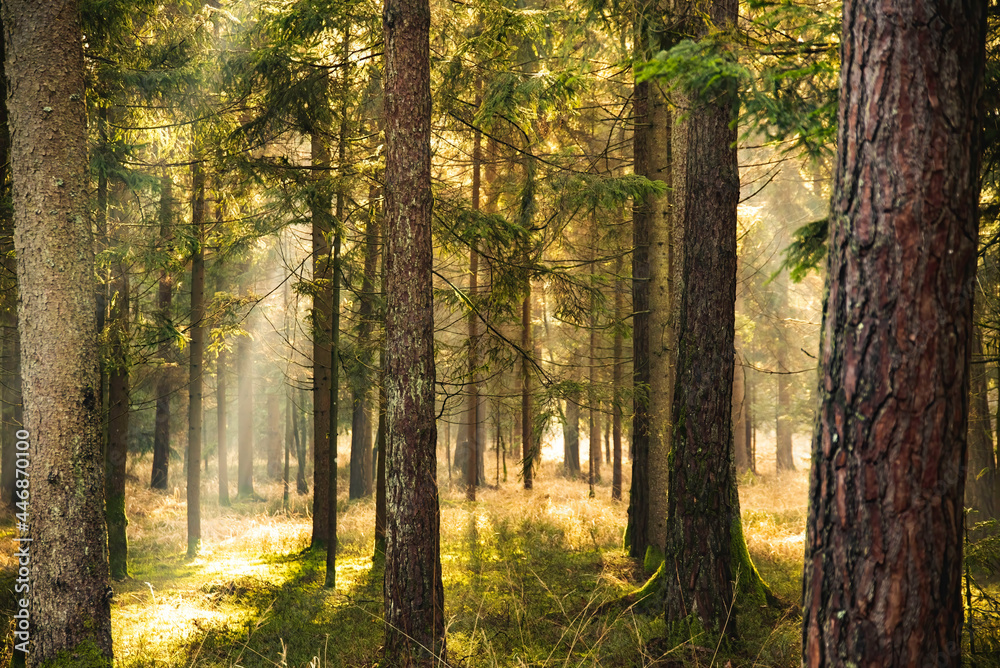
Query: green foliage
[704,69]
[807,250]
[791,90]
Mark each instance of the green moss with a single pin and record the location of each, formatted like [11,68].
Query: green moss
[653,584]
[653,559]
[85,655]
[117,536]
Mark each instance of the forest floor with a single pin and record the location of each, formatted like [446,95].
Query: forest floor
[532,578]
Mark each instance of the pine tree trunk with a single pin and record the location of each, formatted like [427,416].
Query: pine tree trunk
[222,424]
[322,223]
[740,451]
[981,482]
[783,417]
[637,531]
[705,552]
[616,384]
[883,562]
[300,424]
[364,396]
[471,468]
[527,432]
[118,415]
[414,594]
[164,386]
[70,598]
[571,436]
[197,361]
[274,449]
[245,412]
[331,529]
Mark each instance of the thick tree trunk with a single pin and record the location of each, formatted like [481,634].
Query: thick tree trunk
[705,552]
[883,562]
[164,385]
[197,361]
[322,224]
[118,414]
[414,594]
[10,393]
[55,262]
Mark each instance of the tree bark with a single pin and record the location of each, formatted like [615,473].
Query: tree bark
[783,407]
[616,384]
[221,385]
[322,224]
[197,361]
[364,395]
[244,409]
[705,552]
[883,561]
[274,449]
[741,455]
[164,386]
[55,262]
[527,432]
[637,531]
[414,594]
[981,484]
[118,414]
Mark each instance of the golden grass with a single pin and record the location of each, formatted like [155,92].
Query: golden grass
[526,574]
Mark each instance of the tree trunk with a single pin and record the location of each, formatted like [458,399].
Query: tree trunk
[740,452]
[414,594]
[331,529]
[197,361]
[245,411]
[783,417]
[571,436]
[118,414]
[301,454]
[527,432]
[222,425]
[705,550]
[616,384]
[471,468]
[364,396]
[322,223]
[981,483]
[274,449]
[658,250]
[164,385]
[55,262]
[637,531]
[883,562]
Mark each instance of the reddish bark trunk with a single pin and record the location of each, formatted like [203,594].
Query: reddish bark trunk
[883,557]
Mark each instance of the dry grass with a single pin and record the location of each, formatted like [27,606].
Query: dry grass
[527,576]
